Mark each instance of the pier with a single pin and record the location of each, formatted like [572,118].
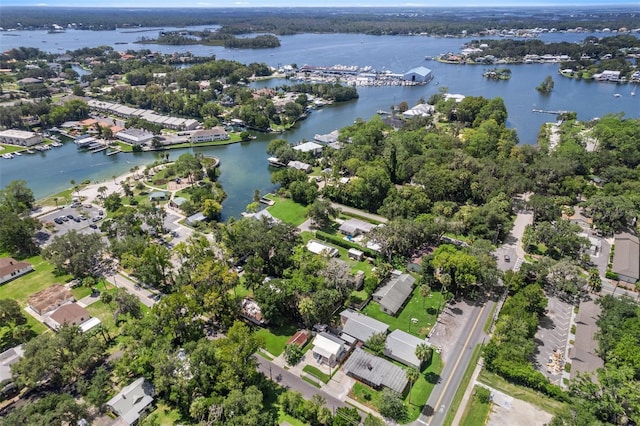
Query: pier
[98,149]
[546,111]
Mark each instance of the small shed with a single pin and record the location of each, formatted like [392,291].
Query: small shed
[355,254]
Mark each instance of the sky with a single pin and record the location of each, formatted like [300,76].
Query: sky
[315,3]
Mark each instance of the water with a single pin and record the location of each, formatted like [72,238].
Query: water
[244,166]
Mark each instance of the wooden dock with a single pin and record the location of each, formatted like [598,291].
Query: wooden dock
[102,148]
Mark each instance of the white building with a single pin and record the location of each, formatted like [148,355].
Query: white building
[217,133]
[317,247]
[418,75]
[135,136]
[327,349]
[20,137]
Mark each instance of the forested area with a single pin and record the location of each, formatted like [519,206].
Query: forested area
[382,21]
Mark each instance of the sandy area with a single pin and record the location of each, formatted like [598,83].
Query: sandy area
[521,413]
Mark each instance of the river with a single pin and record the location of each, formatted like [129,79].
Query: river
[244,166]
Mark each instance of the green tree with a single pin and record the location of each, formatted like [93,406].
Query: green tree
[594,281]
[346,416]
[391,405]
[16,233]
[293,354]
[424,353]
[425,292]
[52,409]
[412,375]
[376,342]
[17,197]
[75,253]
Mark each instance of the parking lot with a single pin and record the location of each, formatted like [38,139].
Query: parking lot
[83,218]
[552,336]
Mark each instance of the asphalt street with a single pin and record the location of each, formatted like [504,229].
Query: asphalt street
[291,381]
[438,404]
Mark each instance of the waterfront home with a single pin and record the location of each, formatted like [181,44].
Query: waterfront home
[217,133]
[135,136]
[607,75]
[132,401]
[11,269]
[394,292]
[309,147]
[299,165]
[20,137]
[401,346]
[420,110]
[375,371]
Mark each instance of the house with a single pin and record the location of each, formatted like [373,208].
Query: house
[418,75]
[196,218]
[177,202]
[327,138]
[299,165]
[11,269]
[132,401]
[626,259]
[217,133]
[420,110]
[310,147]
[158,196]
[20,137]
[401,346]
[300,338]
[361,326]
[327,349]
[355,227]
[456,97]
[7,358]
[319,248]
[375,371]
[135,136]
[72,314]
[355,254]
[49,299]
[394,292]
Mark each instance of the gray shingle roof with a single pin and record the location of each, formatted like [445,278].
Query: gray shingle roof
[132,400]
[375,370]
[395,291]
[361,326]
[401,346]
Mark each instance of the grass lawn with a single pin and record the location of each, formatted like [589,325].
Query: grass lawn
[287,210]
[163,415]
[416,308]
[316,372]
[423,387]
[466,378]
[8,149]
[42,277]
[475,413]
[365,395]
[528,395]
[104,312]
[285,418]
[274,339]
[343,254]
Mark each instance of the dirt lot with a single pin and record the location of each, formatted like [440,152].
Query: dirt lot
[521,413]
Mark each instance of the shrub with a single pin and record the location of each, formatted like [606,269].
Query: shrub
[293,354]
[483,395]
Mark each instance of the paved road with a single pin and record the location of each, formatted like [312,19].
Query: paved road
[358,212]
[442,395]
[144,295]
[291,381]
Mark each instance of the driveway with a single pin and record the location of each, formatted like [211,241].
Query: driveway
[145,296]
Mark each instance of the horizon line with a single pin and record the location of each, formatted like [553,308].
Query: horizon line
[411,6]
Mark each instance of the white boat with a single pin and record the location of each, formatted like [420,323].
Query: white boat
[617,95]
[7,156]
[17,153]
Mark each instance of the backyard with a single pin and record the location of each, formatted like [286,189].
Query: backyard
[417,316]
[287,210]
[275,339]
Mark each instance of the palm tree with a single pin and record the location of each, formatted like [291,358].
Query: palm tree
[412,374]
[423,352]
[102,190]
[425,291]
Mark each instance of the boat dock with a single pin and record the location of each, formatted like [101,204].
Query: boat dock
[275,162]
[98,149]
[546,111]
[114,152]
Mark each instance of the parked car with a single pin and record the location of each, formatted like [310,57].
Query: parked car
[70,216]
[77,219]
[96,219]
[93,226]
[507,258]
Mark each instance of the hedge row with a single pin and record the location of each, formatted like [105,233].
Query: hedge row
[340,241]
